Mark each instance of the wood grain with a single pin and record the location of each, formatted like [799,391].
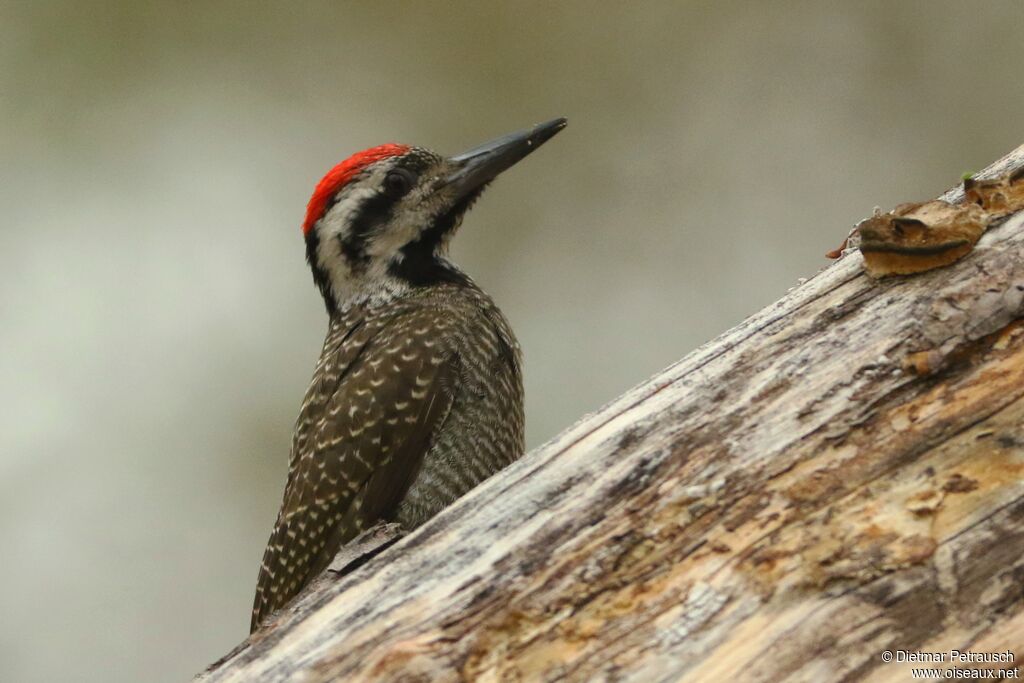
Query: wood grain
[841,474]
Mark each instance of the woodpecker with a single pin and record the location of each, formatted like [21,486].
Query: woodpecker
[418,394]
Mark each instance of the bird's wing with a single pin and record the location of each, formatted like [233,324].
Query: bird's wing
[346,340]
[363,453]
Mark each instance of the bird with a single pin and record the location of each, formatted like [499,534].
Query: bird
[417,395]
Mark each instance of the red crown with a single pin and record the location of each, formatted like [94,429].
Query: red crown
[339,176]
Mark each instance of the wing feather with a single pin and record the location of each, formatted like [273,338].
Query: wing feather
[364,444]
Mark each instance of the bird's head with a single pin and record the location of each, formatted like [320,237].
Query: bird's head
[378,224]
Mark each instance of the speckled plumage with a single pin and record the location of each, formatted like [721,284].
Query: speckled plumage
[411,405]
[418,394]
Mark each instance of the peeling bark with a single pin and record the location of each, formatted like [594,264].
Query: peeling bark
[841,474]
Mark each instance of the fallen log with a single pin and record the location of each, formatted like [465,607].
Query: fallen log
[839,476]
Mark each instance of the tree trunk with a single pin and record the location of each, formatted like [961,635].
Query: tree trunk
[840,475]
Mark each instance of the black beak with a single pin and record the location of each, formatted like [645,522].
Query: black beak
[481,165]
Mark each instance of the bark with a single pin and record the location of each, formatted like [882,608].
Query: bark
[840,475]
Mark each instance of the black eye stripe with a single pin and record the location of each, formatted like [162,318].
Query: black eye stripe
[372,211]
[410,166]
[379,208]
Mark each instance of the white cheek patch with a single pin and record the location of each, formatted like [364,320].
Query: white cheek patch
[404,227]
[366,276]
[366,281]
[332,227]
[416,213]
[340,217]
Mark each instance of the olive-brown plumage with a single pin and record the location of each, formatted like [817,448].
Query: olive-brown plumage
[417,395]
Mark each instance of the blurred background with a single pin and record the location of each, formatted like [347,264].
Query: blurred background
[158,323]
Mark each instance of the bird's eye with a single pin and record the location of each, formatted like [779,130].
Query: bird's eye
[398,182]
